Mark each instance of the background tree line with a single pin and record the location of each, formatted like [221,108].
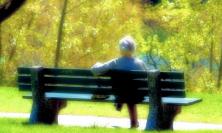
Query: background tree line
[180,35]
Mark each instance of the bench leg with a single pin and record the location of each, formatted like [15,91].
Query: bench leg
[43,110]
[39,105]
[162,118]
[37,113]
[47,113]
[54,107]
[154,119]
[169,114]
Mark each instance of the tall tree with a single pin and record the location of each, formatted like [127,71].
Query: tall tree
[0,41]
[211,45]
[220,67]
[1,71]
[60,34]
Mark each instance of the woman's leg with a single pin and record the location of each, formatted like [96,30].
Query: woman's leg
[133,115]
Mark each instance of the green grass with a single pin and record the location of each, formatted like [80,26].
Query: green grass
[208,111]
[18,126]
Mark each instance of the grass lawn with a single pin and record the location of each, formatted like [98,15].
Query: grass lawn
[17,126]
[208,111]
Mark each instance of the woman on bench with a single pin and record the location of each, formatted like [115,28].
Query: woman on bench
[127,61]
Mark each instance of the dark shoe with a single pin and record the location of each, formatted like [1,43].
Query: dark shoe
[134,125]
[118,106]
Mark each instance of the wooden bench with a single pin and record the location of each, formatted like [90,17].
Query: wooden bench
[50,85]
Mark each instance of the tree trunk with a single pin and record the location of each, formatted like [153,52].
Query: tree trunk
[0,41]
[211,56]
[1,71]
[9,7]
[12,53]
[60,34]
[211,33]
[220,67]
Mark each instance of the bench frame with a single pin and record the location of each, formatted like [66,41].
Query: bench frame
[46,110]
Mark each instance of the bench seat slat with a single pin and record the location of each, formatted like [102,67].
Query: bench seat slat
[172,84]
[143,74]
[87,72]
[131,74]
[87,97]
[172,75]
[173,93]
[81,81]
[102,90]
[58,71]
[104,82]
[99,81]
[68,72]
[23,70]
[80,90]
[26,79]
[77,81]
[25,87]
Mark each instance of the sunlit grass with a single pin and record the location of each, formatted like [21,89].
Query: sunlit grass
[18,126]
[208,111]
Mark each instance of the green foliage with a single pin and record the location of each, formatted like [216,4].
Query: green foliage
[91,29]
[183,32]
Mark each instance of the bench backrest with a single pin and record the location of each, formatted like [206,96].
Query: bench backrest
[82,81]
